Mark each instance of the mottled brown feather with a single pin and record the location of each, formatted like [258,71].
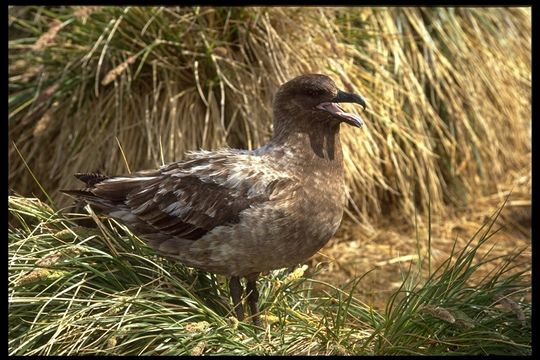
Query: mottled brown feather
[240,212]
[204,205]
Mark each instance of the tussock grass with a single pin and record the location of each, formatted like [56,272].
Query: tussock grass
[118,89]
[78,290]
[354,249]
[448,92]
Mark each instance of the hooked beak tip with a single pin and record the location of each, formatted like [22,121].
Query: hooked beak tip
[344,97]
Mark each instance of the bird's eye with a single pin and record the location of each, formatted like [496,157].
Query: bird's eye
[314,92]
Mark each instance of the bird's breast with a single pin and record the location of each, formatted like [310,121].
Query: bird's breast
[322,204]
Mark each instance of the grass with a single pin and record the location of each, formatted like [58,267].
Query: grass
[446,102]
[117,89]
[77,290]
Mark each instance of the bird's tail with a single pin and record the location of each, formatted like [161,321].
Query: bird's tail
[91,178]
[109,192]
[87,194]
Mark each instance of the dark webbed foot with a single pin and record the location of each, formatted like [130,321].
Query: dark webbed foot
[236,293]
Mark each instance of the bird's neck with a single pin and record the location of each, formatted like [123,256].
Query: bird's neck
[317,145]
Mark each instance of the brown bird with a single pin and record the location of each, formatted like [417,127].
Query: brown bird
[239,212]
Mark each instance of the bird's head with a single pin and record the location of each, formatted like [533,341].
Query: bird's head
[312,99]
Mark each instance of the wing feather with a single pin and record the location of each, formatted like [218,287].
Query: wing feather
[186,200]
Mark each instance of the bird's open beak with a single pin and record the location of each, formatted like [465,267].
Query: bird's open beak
[344,97]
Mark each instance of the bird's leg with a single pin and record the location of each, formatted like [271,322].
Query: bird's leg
[253,297]
[236,293]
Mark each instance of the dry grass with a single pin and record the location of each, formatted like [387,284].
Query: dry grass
[121,89]
[390,248]
[446,101]
[117,89]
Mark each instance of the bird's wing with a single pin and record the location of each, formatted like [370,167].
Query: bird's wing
[188,199]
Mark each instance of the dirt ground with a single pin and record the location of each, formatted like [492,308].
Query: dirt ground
[389,248]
